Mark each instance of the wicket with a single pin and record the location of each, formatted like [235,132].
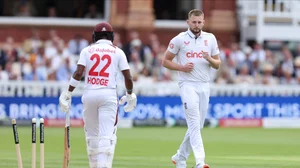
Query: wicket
[16,137]
[33,141]
[42,143]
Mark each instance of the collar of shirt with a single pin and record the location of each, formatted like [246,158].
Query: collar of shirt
[192,35]
[104,41]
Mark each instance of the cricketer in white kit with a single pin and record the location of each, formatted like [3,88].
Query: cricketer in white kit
[196,52]
[101,61]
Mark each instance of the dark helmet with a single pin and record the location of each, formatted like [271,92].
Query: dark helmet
[103,30]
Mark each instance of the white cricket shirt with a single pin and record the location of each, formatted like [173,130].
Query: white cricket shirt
[102,61]
[188,48]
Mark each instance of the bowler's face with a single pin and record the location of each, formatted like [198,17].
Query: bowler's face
[196,23]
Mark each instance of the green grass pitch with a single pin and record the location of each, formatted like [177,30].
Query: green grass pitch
[153,147]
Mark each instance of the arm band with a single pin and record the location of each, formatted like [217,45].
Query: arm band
[73,82]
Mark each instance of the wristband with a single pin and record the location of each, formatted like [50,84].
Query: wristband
[129,90]
[73,82]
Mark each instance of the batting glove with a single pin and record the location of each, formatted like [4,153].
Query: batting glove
[131,101]
[65,100]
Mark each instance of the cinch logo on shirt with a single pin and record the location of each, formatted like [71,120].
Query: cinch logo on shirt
[194,54]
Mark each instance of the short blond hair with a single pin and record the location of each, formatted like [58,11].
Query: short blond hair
[195,12]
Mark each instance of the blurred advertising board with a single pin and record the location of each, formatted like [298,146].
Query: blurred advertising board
[156,111]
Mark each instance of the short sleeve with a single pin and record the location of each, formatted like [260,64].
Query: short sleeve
[214,47]
[174,45]
[82,58]
[123,63]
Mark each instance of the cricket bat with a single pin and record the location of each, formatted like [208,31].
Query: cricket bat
[67,142]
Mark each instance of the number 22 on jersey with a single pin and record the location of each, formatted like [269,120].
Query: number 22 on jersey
[102,72]
[94,79]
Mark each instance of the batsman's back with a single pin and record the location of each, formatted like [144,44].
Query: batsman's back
[102,61]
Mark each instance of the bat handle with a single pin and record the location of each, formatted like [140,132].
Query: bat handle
[67,119]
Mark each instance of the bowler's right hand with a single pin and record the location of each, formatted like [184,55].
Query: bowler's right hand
[188,67]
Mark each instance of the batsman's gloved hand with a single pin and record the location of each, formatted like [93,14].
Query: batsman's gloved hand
[131,101]
[65,100]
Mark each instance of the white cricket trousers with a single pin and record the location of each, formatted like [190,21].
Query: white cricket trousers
[99,111]
[195,100]
[100,117]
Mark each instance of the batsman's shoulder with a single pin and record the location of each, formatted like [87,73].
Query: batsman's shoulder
[118,49]
[84,51]
[120,52]
[87,48]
